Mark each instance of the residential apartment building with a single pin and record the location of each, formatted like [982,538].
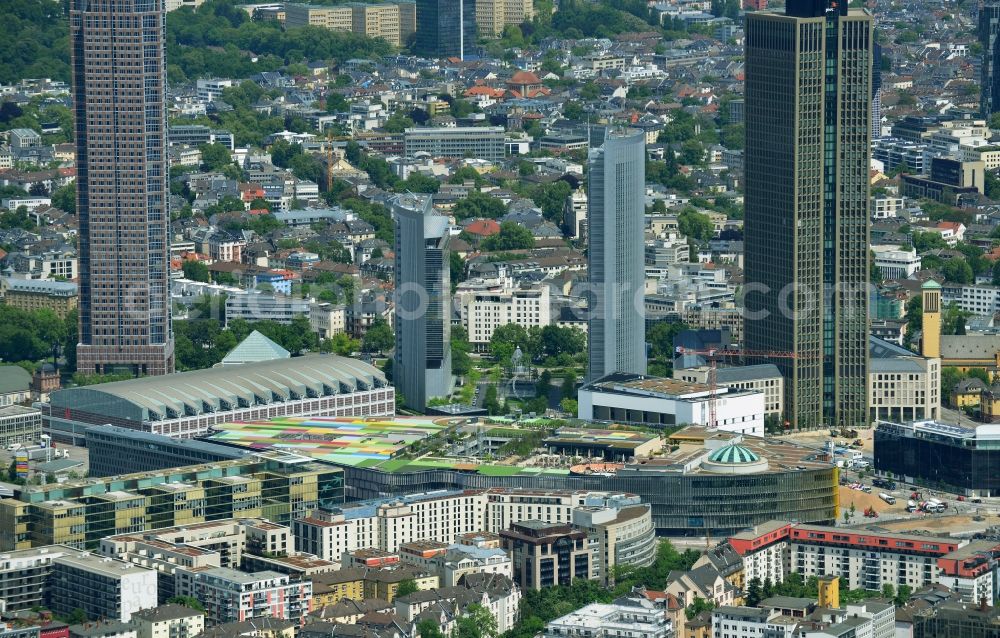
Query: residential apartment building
[119,89]
[633,617]
[548,554]
[229,595]
[887,206]
[451,563]
[623,537]
[978,299]
[102,587]
[784,617]
[210,89]
[747,622]
[616,333]
[483,312]
[168,621]
[222,543]
[622,528]
[35,294]
[865,559]
[327,319]
[493,15]
[811,238]
[479,142]
[24,574]
[81,513]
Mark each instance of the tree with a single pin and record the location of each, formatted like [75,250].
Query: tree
[512,236]
[77,617]
[569,386]
[888,591]
[556,341]
[902,595]
[427,628]
[476,622]
[490,401]
[378,338]
[214,157]
[958,271]
[692,152]
[398,122]
[342,344]
[695,225]
[544,384]
[505,340]
[456,269]
[569,406]
[551,198]
[698,606]
[419,183]
[478,204]
[753,592]
[924,241]
[195,270]
[465,173]
[406,587]
[573,110]
[461,362]
[64,197]
[187,601]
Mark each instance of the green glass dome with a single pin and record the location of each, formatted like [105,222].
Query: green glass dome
[734,455]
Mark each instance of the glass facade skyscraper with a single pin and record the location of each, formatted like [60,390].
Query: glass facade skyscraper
[446,28]
[808,97]
[118,98]
[422,365]
[616,193]
[989,28]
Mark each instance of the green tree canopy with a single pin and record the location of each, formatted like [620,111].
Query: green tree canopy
[214,157]
[478,204]
[378,338]
[512,236]
[195,270]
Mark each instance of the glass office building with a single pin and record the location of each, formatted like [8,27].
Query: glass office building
[942,456]
[446,28]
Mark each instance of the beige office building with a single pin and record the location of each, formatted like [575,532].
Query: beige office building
[493,15]
[377,21]
[390,21]
[335,18]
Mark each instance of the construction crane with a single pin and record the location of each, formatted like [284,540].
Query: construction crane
[712,355]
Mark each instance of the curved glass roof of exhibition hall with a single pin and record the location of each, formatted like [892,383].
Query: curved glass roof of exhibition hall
[223,388]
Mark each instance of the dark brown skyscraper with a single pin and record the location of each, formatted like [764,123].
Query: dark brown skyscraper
[808,97]
[118,90]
